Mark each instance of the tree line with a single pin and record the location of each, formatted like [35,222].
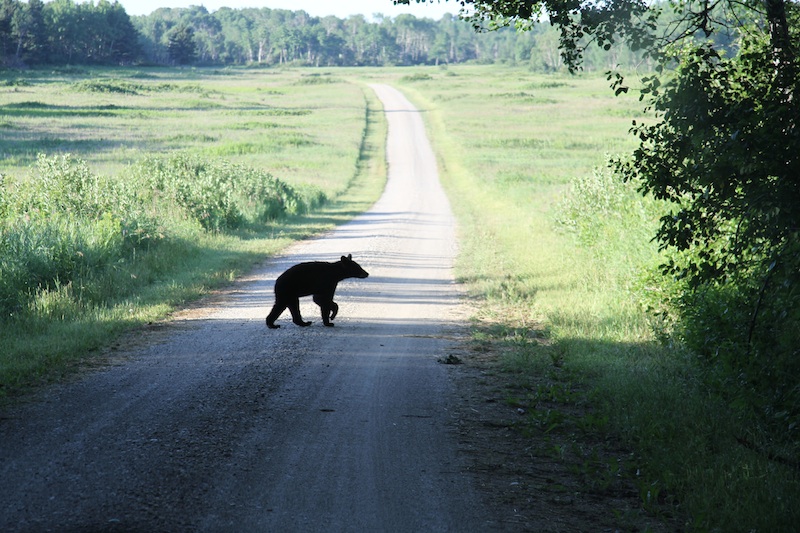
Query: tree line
[63,32]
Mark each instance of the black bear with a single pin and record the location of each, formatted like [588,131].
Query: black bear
[315,277]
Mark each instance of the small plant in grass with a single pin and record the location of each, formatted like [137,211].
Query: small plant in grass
[108,86]
[316,79]
[600,208]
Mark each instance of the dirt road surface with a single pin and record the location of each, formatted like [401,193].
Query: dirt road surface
[212,422]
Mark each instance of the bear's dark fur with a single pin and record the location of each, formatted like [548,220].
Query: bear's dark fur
[316,278]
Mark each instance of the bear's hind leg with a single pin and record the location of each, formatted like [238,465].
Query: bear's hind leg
[294,308]
[273,315]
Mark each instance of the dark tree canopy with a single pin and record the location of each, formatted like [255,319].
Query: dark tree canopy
[648,26]
[182,48]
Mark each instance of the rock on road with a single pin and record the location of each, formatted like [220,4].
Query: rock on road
[212,422]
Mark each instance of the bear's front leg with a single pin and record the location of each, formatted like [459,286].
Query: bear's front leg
[328,309]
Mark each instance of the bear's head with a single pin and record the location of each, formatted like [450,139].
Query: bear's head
[352,268]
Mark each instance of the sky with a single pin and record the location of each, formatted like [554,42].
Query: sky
[317,8]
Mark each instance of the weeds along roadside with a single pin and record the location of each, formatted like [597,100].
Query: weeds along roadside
[86,257]
[556,254]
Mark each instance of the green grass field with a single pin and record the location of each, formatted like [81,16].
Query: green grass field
[554,252]
[301,126]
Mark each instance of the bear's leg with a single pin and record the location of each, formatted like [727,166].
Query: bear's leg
[328,308]
[294,308]
[273,315]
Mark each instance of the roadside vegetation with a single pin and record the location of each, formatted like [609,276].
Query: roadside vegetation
[557,252]
[126,194]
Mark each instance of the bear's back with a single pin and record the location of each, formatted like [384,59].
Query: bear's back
[303,279]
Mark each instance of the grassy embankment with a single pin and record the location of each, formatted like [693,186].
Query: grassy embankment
[558,255]
[177,181]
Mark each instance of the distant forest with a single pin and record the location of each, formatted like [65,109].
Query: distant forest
[64,32]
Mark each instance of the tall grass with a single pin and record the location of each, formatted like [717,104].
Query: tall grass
[558,253]
[68,226]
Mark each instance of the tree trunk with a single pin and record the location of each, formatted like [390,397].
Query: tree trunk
[783,54]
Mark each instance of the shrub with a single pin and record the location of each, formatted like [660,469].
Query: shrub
[108,86]
[601,208]
[417,76]
[221,195]
[723,155]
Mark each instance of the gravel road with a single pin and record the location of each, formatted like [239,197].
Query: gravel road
[212,422]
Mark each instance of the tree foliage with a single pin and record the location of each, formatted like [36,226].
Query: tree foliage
[87,33]
[579,24]
[181,45]
[726,155]
[646,26]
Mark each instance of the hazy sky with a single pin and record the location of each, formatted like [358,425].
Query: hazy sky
[318,8]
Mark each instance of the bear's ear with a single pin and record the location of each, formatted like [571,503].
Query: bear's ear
[349,257]
[344,258]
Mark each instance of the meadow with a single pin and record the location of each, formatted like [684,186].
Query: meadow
[555,252]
